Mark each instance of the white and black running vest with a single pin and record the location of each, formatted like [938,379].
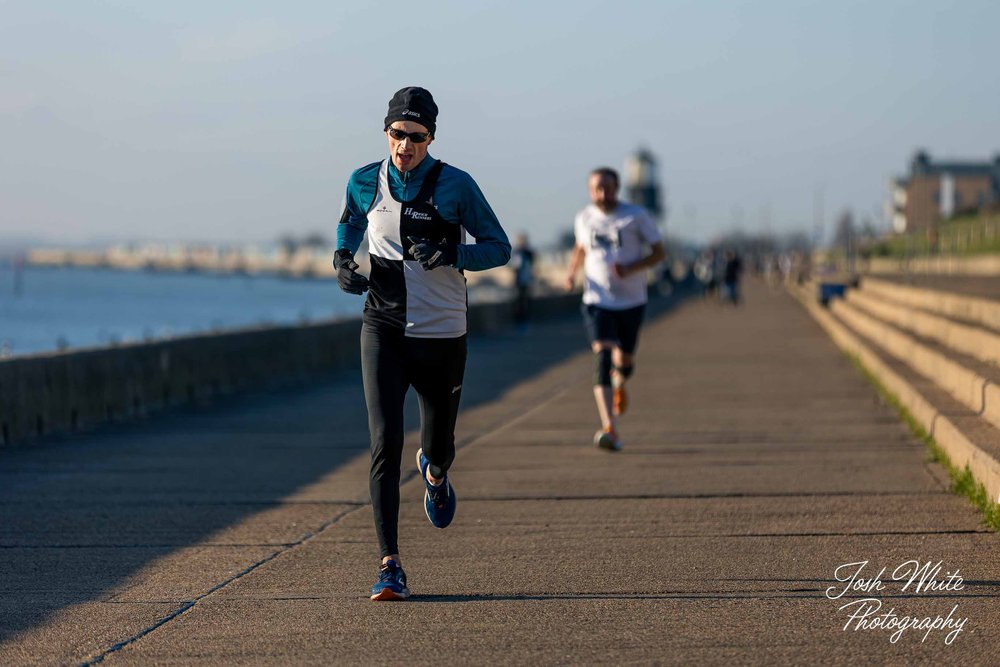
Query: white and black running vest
[425,304]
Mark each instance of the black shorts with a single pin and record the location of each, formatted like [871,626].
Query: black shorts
[619,326]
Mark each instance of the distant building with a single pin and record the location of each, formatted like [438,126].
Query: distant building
[642,184]
[935,191]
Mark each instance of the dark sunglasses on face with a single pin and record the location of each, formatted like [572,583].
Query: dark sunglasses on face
[415,137]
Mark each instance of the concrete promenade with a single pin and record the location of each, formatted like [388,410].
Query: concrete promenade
[757,460]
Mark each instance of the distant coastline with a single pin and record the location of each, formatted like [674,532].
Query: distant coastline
[57,305]
[308,262]
[304,262]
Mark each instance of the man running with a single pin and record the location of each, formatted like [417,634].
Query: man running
[609,244]
[415,210]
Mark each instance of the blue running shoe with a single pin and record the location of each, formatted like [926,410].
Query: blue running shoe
[391,584]
[439,501]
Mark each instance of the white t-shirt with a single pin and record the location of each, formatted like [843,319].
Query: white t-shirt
[610,238]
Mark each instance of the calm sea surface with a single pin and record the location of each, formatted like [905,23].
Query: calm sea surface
[92,307]
[44,309]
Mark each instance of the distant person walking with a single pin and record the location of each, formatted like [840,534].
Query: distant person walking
[704,271]
[415,211]
[731,273]
[522,262]
[609,245]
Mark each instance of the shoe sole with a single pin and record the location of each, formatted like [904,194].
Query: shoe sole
[388,595]
[419,469]
[424,478]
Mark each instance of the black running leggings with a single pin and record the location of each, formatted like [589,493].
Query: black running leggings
[391,363]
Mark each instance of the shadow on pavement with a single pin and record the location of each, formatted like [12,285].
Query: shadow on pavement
[81,515]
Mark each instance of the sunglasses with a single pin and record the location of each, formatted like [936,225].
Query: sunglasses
[415,137]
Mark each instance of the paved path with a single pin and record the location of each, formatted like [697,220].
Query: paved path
[757,460]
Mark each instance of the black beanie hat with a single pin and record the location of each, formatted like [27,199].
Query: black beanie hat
[413,103]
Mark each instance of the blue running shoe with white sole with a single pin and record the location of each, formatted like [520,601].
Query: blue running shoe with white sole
[439,500]
[391,584]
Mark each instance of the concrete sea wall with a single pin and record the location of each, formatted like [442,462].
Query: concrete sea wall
[78,390]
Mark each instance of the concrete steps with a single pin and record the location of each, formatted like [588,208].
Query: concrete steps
[937,351]
[974,300]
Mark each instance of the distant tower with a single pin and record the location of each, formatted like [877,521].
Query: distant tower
[642,184]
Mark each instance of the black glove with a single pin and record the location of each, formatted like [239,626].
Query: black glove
[432,254]
[350,281]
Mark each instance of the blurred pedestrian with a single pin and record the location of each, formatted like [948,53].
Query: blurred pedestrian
[731,273]
[785,267]
[704,271]
[415,211]
[609,245]
[522,262]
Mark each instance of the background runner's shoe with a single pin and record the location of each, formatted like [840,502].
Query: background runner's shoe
[608,440]
[391,584]
[439,500]
[620,403]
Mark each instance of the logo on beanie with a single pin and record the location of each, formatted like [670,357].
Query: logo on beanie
[407,112]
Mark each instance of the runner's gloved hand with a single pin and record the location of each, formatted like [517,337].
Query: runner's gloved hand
[350,281]
[432,254]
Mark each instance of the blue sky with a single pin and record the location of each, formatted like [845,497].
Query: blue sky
[237,121]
